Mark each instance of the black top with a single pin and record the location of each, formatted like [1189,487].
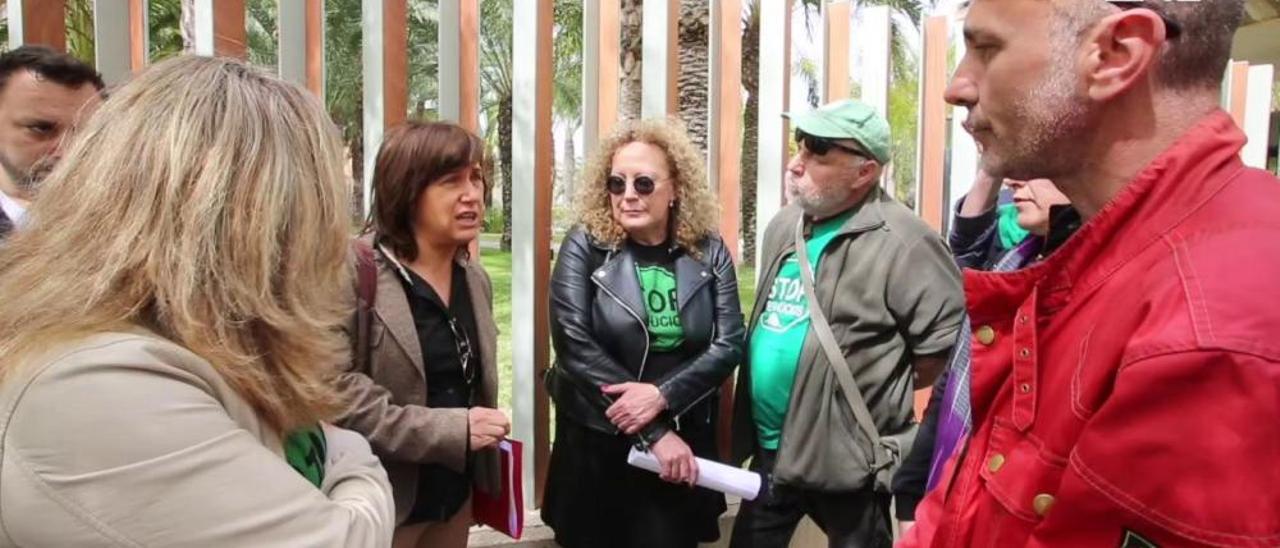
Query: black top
[448,336]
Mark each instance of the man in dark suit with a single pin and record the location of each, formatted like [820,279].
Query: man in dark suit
[44,94]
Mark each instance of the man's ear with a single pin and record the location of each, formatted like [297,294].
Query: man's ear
[1121,51]
[868,170]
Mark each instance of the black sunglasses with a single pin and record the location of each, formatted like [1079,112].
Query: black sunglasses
[643,184]
[1172,30]
[820,146]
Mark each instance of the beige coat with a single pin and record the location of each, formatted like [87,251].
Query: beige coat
[389,394]
[127,439]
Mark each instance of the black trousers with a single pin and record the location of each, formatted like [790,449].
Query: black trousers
[856,519]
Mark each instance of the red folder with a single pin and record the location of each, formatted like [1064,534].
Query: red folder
[504,510]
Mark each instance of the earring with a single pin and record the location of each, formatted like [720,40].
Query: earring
[671,204]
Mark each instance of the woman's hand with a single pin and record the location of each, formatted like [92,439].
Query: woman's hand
[639,404]
[678,465]
[487,427]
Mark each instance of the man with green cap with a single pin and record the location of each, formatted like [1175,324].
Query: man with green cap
[878,312]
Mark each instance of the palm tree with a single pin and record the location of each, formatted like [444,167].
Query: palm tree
[631,19]
[424,59]
[496,95]
[750,125]
[80,30]
[567,104]
[165,20]
[695,20]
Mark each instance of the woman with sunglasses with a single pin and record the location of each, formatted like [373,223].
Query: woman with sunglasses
[646,326]
[422,382]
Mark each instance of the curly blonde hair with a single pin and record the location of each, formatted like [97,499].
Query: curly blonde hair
[696,213]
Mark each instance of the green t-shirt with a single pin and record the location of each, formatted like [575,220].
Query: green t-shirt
[305,451]
[778,336]
[658,287]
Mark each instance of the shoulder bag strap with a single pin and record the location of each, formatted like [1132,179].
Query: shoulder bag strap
[835,356]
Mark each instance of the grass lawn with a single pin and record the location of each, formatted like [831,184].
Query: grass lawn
[498,263]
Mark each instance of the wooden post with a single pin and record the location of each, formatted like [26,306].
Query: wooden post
[139,35]
[1239,75]
[531,238]
[219,28]
[933,122]
[725,153]
[41,22]
[459,77]
[316,75]
[835,73]
[601,36]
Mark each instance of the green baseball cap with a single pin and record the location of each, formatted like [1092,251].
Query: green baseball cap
[847,119]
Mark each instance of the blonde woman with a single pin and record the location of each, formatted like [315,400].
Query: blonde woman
[646,325]
[168,322]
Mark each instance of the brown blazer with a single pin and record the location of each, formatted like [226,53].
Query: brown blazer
[388,394]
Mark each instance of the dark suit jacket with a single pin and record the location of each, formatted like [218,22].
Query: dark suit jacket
[387,396]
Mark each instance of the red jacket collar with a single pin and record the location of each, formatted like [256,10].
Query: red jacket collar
[1164,193]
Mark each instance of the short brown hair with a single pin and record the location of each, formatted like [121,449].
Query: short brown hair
[412,156]
[1198,57]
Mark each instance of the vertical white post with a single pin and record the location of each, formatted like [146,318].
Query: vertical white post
[1257,115]
[525,230]
[371,19]
[292,53]
[964,151]
[111,39]
[203,31]
[450,62]
[875,29]
[16,30]
[591,74]
[774,67]
[836,50]
[656,70]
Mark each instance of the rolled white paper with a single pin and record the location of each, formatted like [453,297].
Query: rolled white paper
[711,474]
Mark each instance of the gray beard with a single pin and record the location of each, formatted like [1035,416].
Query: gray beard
[1057,122]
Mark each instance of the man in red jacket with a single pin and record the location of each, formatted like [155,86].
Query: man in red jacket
[1125,391]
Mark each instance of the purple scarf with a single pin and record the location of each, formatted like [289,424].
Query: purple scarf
[955,420]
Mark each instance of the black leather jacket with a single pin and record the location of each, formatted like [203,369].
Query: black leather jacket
[599,331]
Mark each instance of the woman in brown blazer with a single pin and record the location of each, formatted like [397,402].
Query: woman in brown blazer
[169,318]
[423,381]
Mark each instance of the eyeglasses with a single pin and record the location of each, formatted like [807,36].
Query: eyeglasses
[463,345]
[643,184]
[1172,30]
[820,146]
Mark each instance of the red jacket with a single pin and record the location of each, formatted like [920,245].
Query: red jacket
[1127,389]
